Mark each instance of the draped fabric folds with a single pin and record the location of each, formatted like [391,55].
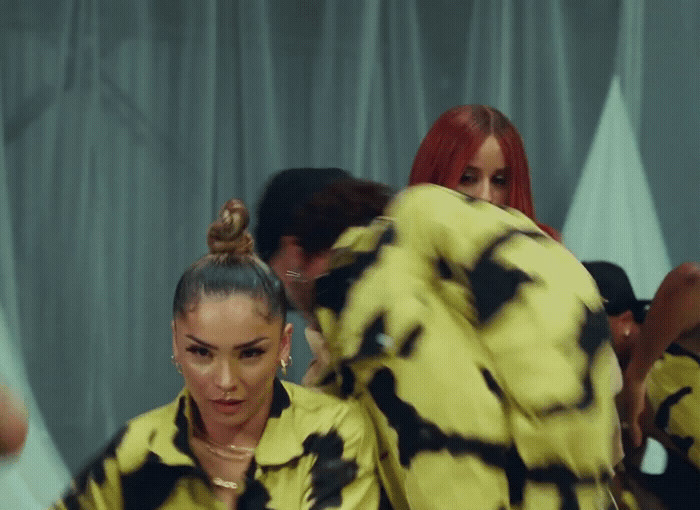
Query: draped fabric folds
[127,123]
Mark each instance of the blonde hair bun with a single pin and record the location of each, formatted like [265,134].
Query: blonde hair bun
[228,234]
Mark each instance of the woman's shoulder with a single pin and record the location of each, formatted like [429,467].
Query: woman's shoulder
[316,410]
[309,419]
[155,430]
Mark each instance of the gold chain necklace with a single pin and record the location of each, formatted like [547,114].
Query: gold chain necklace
[220,482]
[238,456]
[231,452]
[228,452]
[234,451]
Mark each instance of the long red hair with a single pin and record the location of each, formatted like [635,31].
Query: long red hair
[454,139]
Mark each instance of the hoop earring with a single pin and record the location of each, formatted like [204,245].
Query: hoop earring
[284,364]
[177,364]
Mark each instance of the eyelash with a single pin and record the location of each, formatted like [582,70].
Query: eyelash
[253,352]
[498,180]
[198,351]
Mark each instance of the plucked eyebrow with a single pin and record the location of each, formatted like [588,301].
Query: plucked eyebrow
[245,345]
[472,167]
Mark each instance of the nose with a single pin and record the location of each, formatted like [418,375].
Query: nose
[484,191]
[226,377]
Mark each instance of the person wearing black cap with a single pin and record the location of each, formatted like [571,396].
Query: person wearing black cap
[659,398]
[625,312]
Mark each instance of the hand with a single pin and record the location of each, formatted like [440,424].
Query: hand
[633,399]
[319,364]
[13,423]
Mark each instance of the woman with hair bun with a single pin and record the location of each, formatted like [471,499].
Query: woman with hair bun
[476,150]
[236,436]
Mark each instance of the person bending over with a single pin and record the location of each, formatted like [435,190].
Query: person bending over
[478,345]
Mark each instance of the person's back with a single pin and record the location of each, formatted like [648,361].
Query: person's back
[476,343]
[673,384]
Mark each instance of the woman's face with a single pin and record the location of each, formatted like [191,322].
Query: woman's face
[229,354]
[486,175]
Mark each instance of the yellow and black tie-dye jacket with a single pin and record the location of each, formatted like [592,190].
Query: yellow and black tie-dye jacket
[476,343]
[673,388]
[316,452]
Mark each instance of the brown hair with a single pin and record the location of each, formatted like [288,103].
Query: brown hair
[346,203]
[227,236]
[231,266]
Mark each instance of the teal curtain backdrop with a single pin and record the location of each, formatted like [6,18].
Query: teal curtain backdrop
[127,123]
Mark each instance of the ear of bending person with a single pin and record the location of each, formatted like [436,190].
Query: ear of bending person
[476,150]
[478,345]
[236,436]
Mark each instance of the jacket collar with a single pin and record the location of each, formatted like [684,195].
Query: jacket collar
[278,444]
[280,441]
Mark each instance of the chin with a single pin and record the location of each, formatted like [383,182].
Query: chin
[232,421]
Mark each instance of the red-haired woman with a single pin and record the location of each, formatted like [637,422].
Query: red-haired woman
[476,150]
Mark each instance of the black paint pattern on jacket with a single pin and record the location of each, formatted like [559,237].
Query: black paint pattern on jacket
[330,472]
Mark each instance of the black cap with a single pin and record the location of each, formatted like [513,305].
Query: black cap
[616,289]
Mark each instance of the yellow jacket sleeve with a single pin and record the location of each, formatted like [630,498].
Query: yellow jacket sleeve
[98,487]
